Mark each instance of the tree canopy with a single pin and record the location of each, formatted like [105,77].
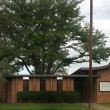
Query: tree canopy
[41,33]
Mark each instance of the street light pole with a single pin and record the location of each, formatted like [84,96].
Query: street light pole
[90,56]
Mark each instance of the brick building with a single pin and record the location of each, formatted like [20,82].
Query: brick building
[78,81]
[17,83]
[100,84]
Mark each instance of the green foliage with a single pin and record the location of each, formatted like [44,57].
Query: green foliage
[2,79]
[49,96]
[105,104]
[69,96]
[40,34]
[6,68]
[7,59]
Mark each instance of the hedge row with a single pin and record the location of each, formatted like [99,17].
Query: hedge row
[48,96]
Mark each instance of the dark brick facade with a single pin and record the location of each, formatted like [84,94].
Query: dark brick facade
[3,91]
[97,95]
[15,83]
[9,90]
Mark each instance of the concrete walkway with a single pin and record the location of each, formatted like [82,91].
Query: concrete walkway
[98,106]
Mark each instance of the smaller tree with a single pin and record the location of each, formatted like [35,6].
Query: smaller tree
[6,68]
[6,63]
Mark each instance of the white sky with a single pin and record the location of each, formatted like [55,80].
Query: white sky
[101,21]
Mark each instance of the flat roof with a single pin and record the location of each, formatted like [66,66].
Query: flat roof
[39,76]
[94,69]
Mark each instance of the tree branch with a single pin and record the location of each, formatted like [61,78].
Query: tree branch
[25,65]
[80,56]
[59,65]
[49,67]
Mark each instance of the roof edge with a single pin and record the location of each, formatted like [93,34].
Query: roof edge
[93,68]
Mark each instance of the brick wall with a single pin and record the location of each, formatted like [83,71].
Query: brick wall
[68,84]
[3,91]
[34,84]
[9,91]
[51,84]
[71,84]
[97,95]
[14,85]
[103,97]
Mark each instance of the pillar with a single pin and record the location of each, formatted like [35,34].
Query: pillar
[51,84]
[9,91]
[34,84]
[68,84]
[14,85]
[71,84]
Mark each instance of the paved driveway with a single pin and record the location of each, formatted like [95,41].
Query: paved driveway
[98,106]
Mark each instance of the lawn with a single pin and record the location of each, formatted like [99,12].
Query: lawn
[106,104]
[43,107]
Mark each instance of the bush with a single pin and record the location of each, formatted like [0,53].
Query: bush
[49,96]
[69,96]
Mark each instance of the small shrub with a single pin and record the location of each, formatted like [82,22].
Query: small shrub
[69,96]
[49,96]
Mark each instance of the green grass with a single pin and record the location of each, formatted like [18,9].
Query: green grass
[43,107]
[106,104]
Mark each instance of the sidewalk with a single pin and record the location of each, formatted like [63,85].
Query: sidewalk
[98,106]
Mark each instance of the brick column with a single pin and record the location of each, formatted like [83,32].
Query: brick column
[34,84]
[71,84]
[65,84]
[68,84]
[9,91]
[51,84]
[37,84]
[48,84]
[3,91]
[14,85]
[54,84]
[13,90]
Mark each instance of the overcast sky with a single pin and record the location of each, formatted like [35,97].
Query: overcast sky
[101,21]
[101,16]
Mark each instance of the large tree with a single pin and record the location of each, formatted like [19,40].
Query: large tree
[41,34]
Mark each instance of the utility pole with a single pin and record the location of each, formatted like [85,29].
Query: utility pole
[90,56]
